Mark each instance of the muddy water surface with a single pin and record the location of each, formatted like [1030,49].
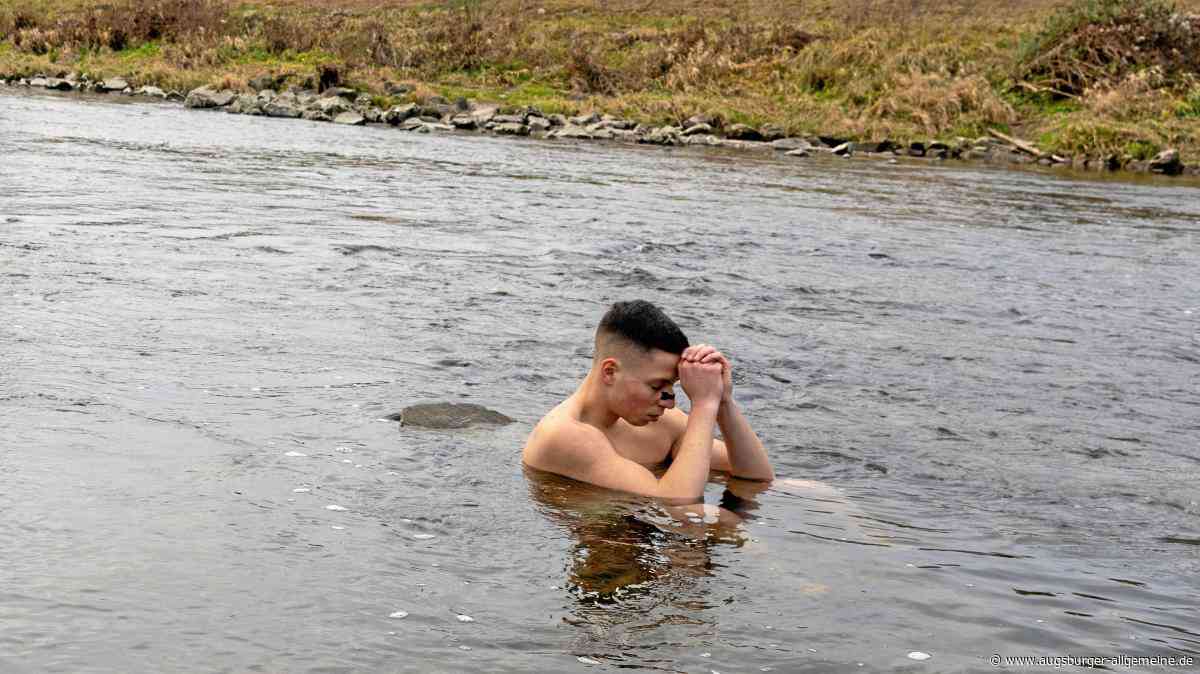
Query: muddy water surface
[994,377]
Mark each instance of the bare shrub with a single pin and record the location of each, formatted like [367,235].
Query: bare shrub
[1100,42]
[587,72]
[122,24]
[1140,94]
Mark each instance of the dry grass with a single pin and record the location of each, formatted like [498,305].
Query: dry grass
[903,69]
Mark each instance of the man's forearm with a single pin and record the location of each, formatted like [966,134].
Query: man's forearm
[688,474]
[747,456]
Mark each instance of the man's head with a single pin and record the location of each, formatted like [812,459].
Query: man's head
[636,360]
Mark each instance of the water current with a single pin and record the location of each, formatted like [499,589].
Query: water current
[993,378]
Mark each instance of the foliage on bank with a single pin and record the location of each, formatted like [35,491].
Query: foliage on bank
[1090,77]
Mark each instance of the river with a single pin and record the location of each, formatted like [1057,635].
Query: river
[992,376]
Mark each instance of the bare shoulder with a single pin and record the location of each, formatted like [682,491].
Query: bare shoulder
[563,445]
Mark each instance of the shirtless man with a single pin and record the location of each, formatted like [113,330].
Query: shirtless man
[622,419]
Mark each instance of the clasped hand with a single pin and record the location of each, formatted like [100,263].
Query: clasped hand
[706,373]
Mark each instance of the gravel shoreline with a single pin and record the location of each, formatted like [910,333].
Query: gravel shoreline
[340,105]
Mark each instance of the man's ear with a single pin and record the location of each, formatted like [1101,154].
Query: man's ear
[609,367]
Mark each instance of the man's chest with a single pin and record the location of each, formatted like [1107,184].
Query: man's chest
[649,445]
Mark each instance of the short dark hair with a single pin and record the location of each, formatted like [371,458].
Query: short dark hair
[643,324]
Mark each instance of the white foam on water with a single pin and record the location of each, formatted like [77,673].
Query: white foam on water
[462,618]
[301,490]
[335,507]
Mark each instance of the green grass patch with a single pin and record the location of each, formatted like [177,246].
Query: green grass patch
[1141,149]
[1190,106]
[142,52]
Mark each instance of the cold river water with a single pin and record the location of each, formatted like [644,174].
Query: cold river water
[993,376]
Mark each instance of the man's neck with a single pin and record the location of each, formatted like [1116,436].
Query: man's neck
[593,407]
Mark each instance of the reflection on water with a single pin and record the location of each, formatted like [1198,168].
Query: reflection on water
[979,388]
[636,567]
[623,544]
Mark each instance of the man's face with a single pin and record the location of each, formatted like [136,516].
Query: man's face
[640,384]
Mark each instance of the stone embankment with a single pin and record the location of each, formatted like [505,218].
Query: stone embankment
[340,105]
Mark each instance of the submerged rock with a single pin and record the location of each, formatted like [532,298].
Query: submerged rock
[448,415]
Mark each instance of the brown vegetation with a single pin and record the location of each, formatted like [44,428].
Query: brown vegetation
[903,69]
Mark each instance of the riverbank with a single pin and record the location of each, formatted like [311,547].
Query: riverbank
[342,105]
[884,76]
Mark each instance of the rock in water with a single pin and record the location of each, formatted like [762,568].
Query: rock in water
[448,415]
[351,118]
[743,132]
[1167,162]
[208,97]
